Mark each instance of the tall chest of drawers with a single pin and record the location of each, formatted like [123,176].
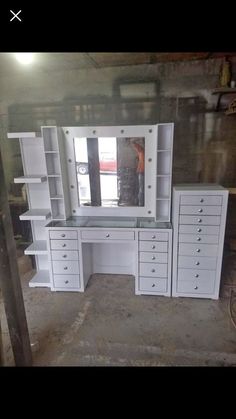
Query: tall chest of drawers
[199,218]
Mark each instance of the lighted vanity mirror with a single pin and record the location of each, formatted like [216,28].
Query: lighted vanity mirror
[110,171]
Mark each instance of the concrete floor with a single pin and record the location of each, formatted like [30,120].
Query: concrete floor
[109,326]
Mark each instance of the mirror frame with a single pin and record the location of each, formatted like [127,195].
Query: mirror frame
[149,132]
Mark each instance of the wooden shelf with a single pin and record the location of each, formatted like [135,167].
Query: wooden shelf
[224,90]
[41,279]
[30,179]
[36,214]
[37,248]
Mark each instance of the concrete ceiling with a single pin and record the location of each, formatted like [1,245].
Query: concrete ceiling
[70,61]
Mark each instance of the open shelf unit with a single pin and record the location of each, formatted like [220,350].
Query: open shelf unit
[164,171]
[40,279]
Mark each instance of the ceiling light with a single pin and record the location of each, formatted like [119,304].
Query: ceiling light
[24,58]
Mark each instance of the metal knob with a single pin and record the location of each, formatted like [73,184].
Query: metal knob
[196,275]
[66,282]
[196,287]
[198,239]
[63,235]
[200,210]
[153,285]
[107,235]
[199,220]
[65,268]
[153,237]
[197,263]
[153,247]
[198,250]
[153,270]
[201,200]
[199,230]
[64,245]
[64,256]
[153,257]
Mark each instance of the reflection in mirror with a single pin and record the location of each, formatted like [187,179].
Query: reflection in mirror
[110,171]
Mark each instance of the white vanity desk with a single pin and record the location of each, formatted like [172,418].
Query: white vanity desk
[81,246]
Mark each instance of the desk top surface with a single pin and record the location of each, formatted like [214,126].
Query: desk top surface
[105,222]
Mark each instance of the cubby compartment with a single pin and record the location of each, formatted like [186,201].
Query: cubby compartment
[55,188]
[165,137]
[50,139]
[58,210]
[53,164]
[163,187]
[163,207]
[164,163]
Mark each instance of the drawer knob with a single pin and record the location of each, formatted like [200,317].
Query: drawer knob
[153,237]
[153,257]
[200,210]
[66,282]
[198,250]
[64,245]
[201,200]
[196,275]
[153,270]
[65,268]
[198,239]
[64,256]
[199,220]
[197,263]
[153,285]
[63,235]
[199,230]
[196,287]
[107,235]
[153,247]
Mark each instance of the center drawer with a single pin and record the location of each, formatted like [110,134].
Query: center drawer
[63,234]
[148,246]
[198,249]
[195,238]
[148,235]
[191,274]
[151,257]
[152,284]
[64,244]
[197,209]
[61,255]
[201,219]
[107,235]
[155,270]
[69,267]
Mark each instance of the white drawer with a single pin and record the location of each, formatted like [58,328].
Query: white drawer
[153,269]
[195,229]
[107,235]
[198,249]
[195,238]
[148,246]
[153,257]
[196,287]
[66,281]
[201,219]
[152,284]
[200,199]
[193,274]
[143,235]
[197,262]
[68,267]
[64,244]
[61,255]
[200,209]
[62,234]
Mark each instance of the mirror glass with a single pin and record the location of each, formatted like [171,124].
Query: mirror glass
[110,171]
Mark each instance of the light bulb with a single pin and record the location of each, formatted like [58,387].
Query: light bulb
[24,58]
